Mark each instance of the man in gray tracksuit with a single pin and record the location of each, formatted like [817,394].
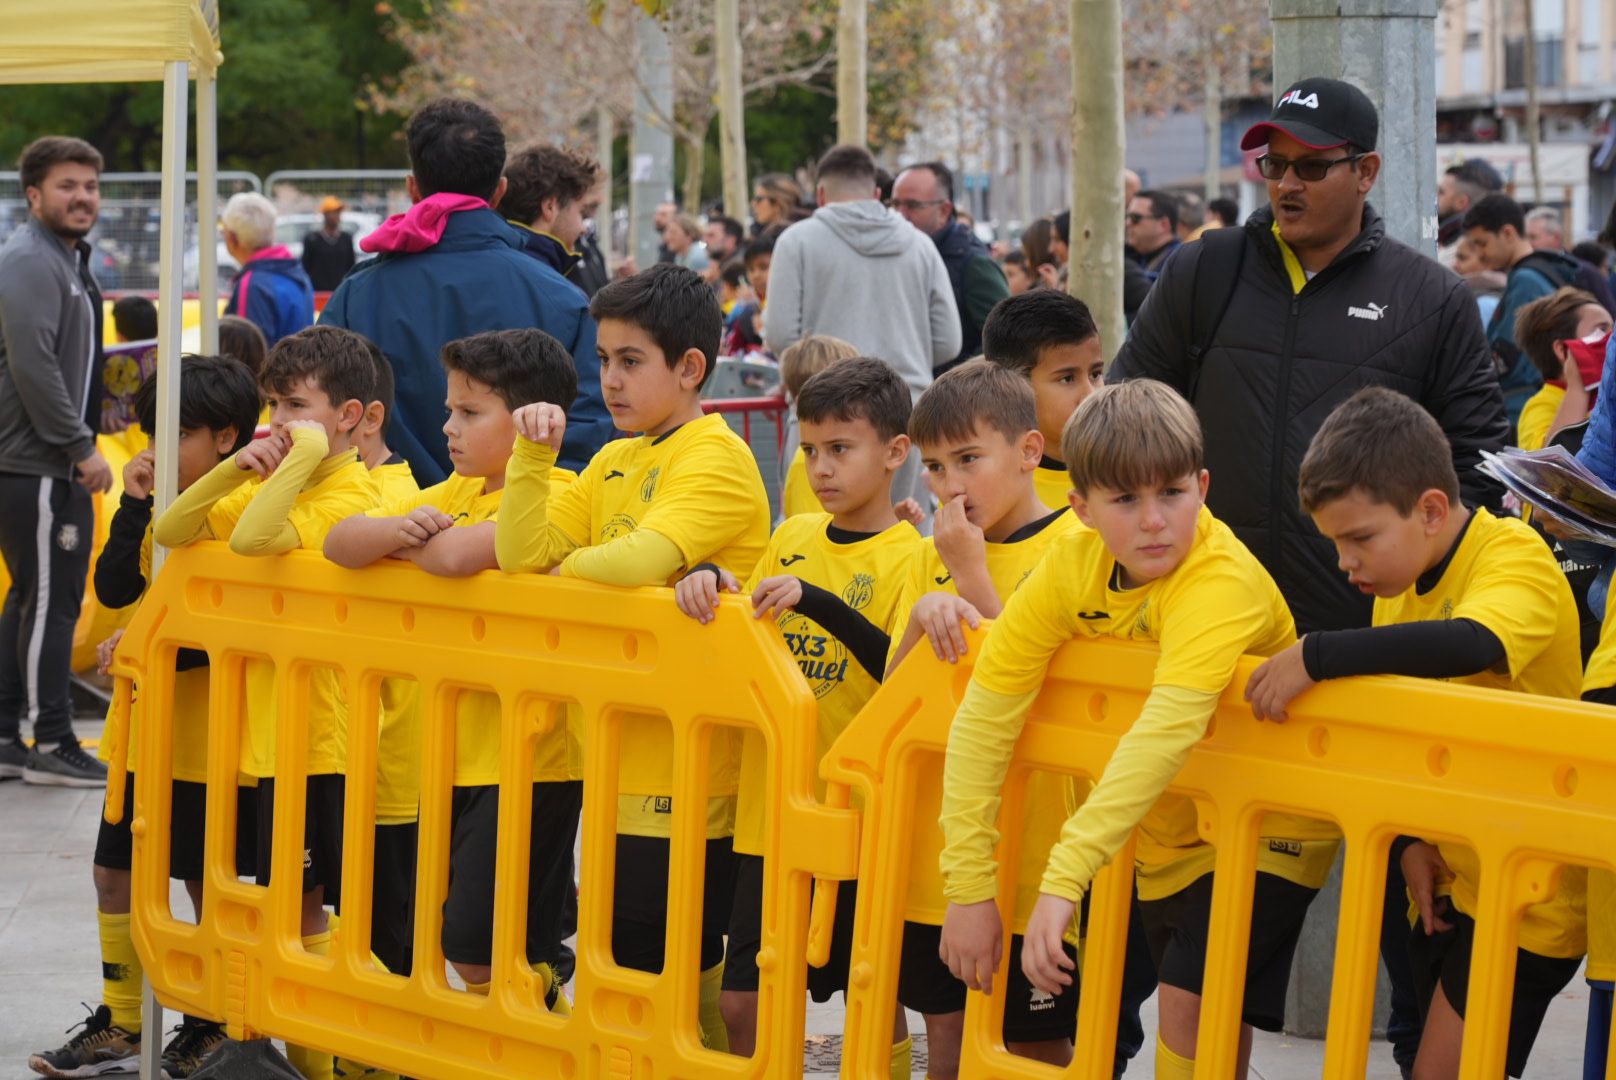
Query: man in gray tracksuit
[50,406]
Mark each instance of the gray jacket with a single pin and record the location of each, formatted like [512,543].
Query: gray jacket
[860,272]
[48,354]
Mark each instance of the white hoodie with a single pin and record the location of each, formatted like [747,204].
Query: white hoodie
[860,272]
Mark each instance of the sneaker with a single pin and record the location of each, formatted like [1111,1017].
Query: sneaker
[66,766]
[13,759]
[193,1041]
[101,1048]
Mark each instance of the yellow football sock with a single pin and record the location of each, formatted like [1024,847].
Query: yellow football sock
[121,973]
[1169,1066]
[714,1035]
[313,1064]
[550,992]
[903,1059]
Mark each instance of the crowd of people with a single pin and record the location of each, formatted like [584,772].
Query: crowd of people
[1280,460]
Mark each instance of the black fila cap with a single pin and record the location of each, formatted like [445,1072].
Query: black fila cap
[1320,114]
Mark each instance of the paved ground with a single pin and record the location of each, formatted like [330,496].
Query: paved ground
[49,959]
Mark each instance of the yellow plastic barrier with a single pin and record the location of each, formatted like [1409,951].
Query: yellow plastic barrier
[531,640]
[1527,782]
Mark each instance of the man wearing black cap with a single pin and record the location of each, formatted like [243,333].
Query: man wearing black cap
[1267,328]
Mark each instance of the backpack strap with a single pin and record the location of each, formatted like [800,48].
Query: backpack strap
[1217,275]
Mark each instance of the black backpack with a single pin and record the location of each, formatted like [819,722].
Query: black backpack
[1223,256]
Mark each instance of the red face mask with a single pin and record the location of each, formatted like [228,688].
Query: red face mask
[1589,354]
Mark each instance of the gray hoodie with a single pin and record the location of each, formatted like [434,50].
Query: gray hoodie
[860,272]
[48,354]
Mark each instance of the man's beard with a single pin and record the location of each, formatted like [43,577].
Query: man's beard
[57,223]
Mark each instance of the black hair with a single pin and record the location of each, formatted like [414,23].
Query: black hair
[1592,252]
[1227,210]
[384,386]
[1019,327]
[732,228]
[1478,173]
[862,388]
[135,318]
[456,146]
[1162,204]
[216,392]
[1607,235]
[1015,257]
[242,339]
[847,163]
[42,155]
[520,366]
[672,304]
[1492,212]
[1063,226]
[541,172]
[339,361]
[732,273]
[763,243]
[945,176]
[883,184]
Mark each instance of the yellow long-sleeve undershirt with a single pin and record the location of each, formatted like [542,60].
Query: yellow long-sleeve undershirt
[981,743]
[264,528]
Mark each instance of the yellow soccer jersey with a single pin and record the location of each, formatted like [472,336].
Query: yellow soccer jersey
[558,754]
[393,480]
[1053,483]
[1219,605]
[1537,416]
[797,494]
[699,487]
[867,574]
[1503,576]
[340,487]
[190,707]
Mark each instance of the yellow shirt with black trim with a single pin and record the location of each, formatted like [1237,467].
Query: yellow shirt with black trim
[394,481]
[1537,416]
[1050,797]
[1502,575]
[867,574]
[1601,675]
[558,755]
[699,487]
[1053,483]
[1218,605]
[338,488]
[797,494]
[190,706]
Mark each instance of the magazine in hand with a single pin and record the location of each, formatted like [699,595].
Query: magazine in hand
[1560,488]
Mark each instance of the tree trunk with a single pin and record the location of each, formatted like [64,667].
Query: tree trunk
[852,41]
[1212,116]
[695,167]
[731,109]
[1095,268]
[1534,134]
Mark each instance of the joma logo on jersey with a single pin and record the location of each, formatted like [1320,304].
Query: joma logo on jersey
[1311,101]
[648,488]
[859,591]
[1373,313]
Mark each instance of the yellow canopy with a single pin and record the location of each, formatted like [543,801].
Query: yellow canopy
[78,41]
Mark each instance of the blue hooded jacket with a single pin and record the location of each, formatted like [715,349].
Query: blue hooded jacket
[476,277]
[274,293]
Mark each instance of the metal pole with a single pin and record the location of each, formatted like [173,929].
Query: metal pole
[603,215]
[207,207]
[651,162]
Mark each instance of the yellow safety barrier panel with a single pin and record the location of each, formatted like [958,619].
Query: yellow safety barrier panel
[531,640]
[1529,783]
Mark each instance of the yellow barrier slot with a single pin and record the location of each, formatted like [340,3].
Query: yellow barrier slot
[534,641]
[1529,783]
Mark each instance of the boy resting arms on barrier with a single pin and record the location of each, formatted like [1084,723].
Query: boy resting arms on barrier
[1155,567]
[281,493]
[1049,338]
[685,491]
[976,428]
[448,530]
[1459,595]
[388,470]
[218,412]
[831,582]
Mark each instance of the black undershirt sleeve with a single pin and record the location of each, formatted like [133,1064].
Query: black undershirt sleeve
[1605,695]
[118,582]
[866,641]
[1434,649]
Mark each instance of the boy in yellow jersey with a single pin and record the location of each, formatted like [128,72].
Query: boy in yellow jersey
[1048,337]
[281,493]
[801,361]
[218,412]
[1155,567]
[448,530]
[831,580]
[1459,595]
[976,429]
[1564,334]
[388,470]
[684,491]
[1599,686]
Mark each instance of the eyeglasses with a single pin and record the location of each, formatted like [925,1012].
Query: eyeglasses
[909,206]
[1134,219]
[1308,170]
[761,198]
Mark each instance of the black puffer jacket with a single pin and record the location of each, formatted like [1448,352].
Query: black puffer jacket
[1381,314]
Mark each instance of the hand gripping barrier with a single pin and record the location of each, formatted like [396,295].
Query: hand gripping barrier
[1529,783]
[531,640]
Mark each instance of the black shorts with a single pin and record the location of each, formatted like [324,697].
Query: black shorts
[1176,928]
[114,845]
[927,986]
[322,834]
[468,911]
[640,901]
[1445,958]
[392,916]
[746,935]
